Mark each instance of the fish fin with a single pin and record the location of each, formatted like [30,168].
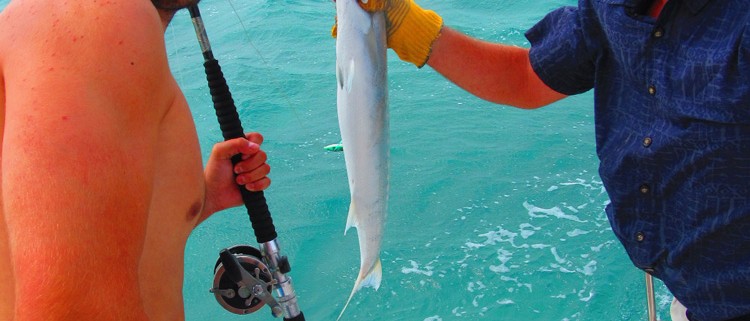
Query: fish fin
[345,78]
[339,75]
[372,279]
[351,219]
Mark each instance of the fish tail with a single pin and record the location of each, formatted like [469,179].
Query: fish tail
[347,302]
[372,279]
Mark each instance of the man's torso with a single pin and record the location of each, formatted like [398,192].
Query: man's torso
[178,187]
[673,134]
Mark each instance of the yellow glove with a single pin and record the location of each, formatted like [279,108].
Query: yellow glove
[411,29]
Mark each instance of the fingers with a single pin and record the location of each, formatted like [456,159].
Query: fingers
[254,137]
[255,180]
[251,171]
[247,146]
[367,5]
[373,5]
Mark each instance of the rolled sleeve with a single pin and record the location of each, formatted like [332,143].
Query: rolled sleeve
[560,53]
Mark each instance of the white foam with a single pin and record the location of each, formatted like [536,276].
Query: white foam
[538,212]
[577,232]
[415,269]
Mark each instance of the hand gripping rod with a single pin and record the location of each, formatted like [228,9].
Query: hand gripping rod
[255,202]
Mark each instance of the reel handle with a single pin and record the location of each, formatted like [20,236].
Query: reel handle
[232,266]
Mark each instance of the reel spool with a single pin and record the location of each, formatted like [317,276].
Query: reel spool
[246,294]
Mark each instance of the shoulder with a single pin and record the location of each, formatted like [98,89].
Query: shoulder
[124,36]
[112,48]
[25,20]
[88,78]
[81,33]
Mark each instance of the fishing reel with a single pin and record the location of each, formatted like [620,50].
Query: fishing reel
[243,282]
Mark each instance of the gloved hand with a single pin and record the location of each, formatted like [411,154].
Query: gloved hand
[411,29]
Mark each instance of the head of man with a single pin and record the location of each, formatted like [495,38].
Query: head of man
[173,5]
[167,8]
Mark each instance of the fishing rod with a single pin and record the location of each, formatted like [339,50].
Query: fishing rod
[244,276]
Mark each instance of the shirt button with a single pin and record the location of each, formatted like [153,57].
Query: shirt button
[645,189]
[640,237]
[647,141]
[652,90]
[658,33]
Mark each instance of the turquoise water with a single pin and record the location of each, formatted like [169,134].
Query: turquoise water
[495,213]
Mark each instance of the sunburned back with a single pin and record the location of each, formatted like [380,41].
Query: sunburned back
[101,175]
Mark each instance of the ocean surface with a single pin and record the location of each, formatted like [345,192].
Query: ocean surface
[495,213]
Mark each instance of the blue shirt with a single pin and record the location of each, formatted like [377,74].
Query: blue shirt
[672,106]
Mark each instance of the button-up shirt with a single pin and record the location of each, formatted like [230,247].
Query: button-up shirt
[672,106]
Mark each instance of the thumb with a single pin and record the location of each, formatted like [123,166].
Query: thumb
[229,148]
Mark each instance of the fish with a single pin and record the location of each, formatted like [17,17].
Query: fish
[362,107]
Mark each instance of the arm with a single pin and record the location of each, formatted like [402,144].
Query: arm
[82,119]
[494,72]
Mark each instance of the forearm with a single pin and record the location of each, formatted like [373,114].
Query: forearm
[494,72]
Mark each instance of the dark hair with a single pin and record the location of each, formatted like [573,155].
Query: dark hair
[173,5]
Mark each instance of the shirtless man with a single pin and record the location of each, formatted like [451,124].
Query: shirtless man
[101,171]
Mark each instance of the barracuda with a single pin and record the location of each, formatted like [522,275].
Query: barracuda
[362,102]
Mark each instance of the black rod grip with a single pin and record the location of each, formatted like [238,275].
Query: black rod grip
[231,128]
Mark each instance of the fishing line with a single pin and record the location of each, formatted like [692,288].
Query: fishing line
[274,80]
[178,74]
[276,83]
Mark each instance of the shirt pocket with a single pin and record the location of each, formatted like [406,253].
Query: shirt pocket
[711,81]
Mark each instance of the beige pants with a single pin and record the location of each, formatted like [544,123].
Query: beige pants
[678,311]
